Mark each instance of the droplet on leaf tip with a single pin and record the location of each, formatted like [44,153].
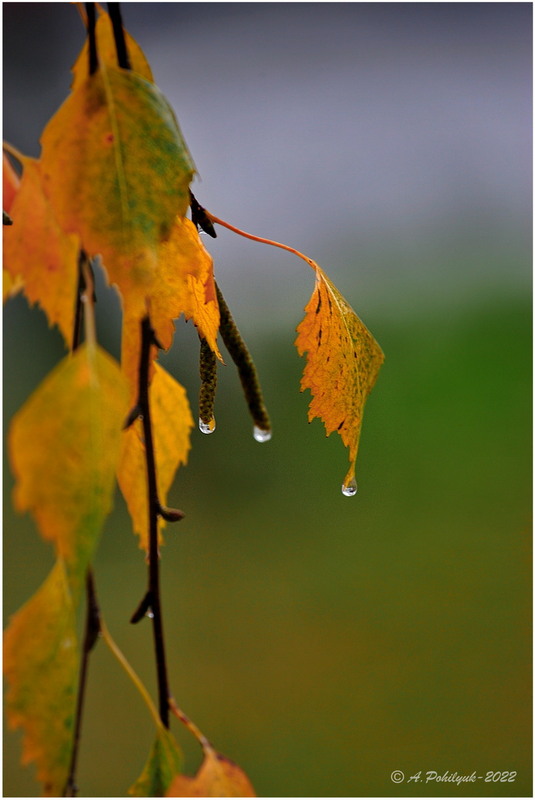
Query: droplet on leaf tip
[350,489]
[207,427]
[261,435]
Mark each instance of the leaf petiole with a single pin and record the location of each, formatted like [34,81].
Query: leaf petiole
[311,263]
[136,680]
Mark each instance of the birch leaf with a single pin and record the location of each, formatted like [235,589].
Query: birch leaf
[107,52]
[183,284]
[41,667]
[64,446]
[163,764]
[343,360]
[39,255]
[171,423]
[10,183]
[218,776]
[117,172]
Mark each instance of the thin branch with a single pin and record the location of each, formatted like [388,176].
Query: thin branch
[152,597]
[123,58]
[92,630]
[91,23]
[84,301]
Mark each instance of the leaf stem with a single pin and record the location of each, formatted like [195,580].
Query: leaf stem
[92,629]
[218,221]
[118,34]
[134,677]
[179,714]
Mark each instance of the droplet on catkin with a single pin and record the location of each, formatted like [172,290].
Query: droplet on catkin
[207,427]
[261,435]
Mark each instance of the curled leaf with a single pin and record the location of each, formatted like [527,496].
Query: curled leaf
[343,360]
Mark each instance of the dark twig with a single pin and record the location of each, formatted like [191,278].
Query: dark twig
[123,58]
[92,622]
[92,631]
[91,23]
[200,218]
[151,602]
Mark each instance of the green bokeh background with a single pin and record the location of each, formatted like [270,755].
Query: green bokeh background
[319,641]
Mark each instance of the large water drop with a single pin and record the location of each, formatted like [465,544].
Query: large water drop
[350,489]
[207,427]
[261,435]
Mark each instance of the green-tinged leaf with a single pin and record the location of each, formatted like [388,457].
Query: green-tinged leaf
[163,764]
[117,172]
[39,256]
[172,422]
[41,667]
[64,446]
[343,360]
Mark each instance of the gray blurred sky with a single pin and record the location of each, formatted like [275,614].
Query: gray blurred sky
[389,141]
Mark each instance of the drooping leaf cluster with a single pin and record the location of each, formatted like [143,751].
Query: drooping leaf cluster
[111,190]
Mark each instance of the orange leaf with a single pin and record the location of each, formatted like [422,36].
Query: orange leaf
[343,360]
[38,254]
[41,667]
[218,776]
[171,422]
[183,284]
[10,183]
[64,446]
[107,53]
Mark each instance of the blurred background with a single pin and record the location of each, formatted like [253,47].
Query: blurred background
[323,642]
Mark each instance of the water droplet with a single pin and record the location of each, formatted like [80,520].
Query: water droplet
[207,427]
[350,489]
[150,614]
[261,435]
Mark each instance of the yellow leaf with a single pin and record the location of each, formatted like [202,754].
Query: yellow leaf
[41,667]
[39,255]
[64,446]
[343,360]
[107,53]
[183,284]
[117,172]
[171,423]
[163,764]
[218,776]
